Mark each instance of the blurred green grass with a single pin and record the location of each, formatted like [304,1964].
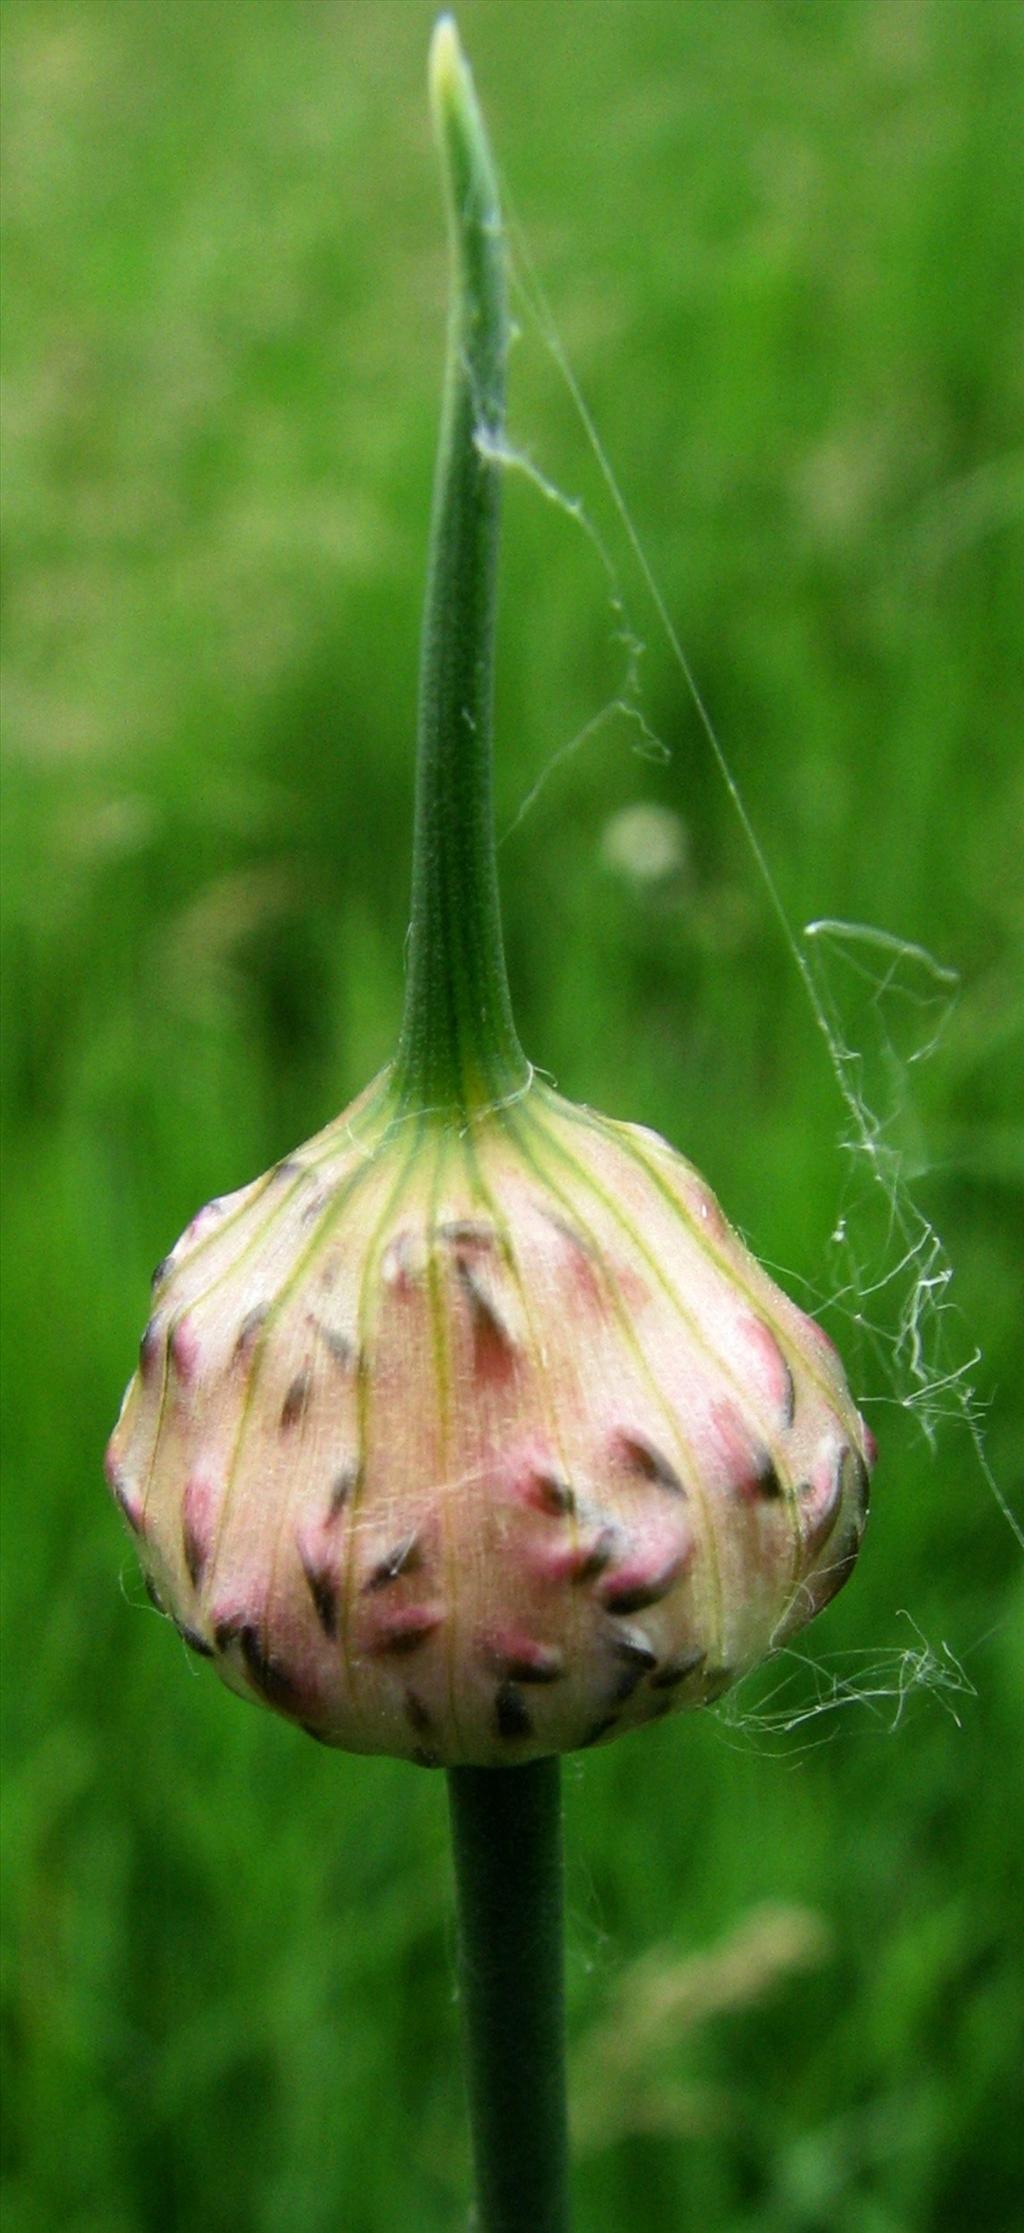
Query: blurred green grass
[780,244]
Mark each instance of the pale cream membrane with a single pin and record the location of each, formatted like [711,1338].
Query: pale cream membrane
[473,1445]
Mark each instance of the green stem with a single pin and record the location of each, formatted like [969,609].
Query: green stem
[507,1834]
[458,1049]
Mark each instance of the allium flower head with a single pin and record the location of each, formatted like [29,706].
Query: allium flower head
[472,1444]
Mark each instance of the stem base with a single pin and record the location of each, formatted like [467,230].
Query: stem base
[507,1836]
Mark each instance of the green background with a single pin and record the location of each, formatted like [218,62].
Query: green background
[781,245]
